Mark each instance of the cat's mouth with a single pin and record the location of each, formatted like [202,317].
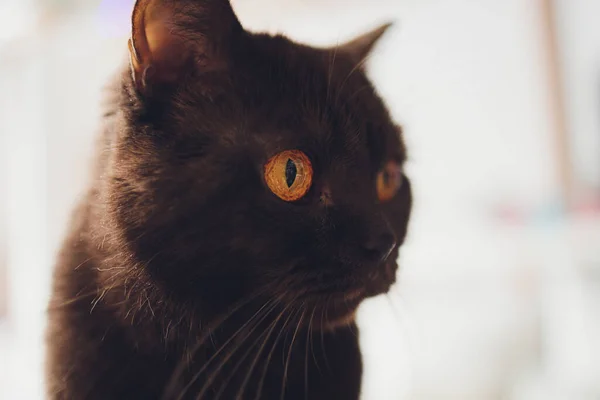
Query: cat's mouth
[334,309]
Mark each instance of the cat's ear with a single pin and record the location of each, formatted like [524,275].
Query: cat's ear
[360,47]
[169,35]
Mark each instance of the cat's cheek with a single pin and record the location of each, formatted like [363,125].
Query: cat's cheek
[397,211]
[390,269]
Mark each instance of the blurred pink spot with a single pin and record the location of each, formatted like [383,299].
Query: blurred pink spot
[509,214]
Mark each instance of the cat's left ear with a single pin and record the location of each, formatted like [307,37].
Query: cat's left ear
[359,48]
[170,36]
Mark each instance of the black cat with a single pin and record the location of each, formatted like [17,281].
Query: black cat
[248,196]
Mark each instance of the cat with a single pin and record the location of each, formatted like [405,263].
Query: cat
[248,195]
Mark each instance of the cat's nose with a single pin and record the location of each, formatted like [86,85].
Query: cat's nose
[379,246]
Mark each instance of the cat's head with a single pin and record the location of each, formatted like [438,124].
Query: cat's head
[251,165]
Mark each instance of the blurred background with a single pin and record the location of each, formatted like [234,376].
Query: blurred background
[499,292]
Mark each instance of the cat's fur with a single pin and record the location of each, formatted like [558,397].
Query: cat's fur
[183,275]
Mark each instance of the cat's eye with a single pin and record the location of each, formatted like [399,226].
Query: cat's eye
[389,180]
[289,175]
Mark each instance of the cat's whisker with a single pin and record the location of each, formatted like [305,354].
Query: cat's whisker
[270,355]
[323,322]
[308,335]
[395,310]
[289,355]
[167,330]
[311,339]
[239,363]
[187,357]
[228,356]
[260,313]
[258,354]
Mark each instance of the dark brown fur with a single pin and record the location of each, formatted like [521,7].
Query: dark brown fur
[183,276]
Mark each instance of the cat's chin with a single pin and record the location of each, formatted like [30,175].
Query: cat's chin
[334,311]
[382,279]
[344,321]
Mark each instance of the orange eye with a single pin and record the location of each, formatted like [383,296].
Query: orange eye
[289,175]
[389,180]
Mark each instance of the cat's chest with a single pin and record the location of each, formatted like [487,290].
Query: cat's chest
[310,368]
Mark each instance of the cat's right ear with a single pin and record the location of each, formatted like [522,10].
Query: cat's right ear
[360,47]
[169,36]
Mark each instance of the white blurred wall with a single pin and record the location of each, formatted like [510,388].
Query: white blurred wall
[579,46]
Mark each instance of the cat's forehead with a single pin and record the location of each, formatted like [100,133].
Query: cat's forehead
[315,79]
[288,96]
[316,97]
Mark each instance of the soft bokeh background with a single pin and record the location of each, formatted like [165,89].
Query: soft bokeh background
[499,293]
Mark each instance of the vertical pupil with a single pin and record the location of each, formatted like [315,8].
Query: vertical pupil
[290,172]
[386,178]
